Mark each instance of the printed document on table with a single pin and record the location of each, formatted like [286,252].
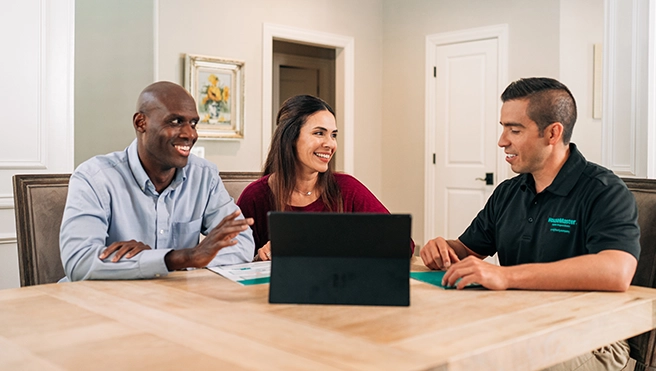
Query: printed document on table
[245,274]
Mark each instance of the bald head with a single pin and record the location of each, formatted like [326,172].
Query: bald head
[160,93]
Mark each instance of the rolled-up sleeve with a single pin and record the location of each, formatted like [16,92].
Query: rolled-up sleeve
[220,205]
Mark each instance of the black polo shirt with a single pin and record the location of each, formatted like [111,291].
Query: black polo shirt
[585,210]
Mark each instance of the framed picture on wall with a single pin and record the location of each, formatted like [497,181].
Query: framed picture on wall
[217,85]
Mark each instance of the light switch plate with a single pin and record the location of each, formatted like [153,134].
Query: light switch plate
[198,151]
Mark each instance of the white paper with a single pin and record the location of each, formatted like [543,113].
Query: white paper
[244,273]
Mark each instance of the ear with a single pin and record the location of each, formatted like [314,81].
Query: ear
[554,133]
[139,121]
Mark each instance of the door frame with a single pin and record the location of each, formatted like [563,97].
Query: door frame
[499,32]
[344,81]
[280,59]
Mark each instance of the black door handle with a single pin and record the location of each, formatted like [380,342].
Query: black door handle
[489,179]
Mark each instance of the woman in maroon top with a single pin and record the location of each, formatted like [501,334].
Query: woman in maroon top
[296,173]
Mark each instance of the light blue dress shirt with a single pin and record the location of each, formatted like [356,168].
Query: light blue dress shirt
[111,198]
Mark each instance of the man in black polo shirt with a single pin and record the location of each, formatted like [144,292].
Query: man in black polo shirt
[563,224]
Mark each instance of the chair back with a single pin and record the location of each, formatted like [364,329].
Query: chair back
[235,182]
[644,191]
[39,202]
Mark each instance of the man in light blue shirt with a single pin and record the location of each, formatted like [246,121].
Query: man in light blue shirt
[139,213]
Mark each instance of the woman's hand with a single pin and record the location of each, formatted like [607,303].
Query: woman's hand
[264,252]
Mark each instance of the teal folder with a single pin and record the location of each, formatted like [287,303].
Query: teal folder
[435,278]
[255,281]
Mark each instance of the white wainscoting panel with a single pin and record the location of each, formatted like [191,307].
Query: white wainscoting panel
[37,74]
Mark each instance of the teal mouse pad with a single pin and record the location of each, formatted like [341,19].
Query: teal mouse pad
[435,278]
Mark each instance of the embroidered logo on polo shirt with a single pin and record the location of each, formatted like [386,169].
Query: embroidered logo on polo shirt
[561,225]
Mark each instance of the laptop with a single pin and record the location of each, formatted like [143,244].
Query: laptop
[340,258]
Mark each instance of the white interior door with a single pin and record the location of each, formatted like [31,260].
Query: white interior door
[466,112]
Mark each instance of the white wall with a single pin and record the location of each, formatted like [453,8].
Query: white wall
[582,26]
[114,58]
[233,30]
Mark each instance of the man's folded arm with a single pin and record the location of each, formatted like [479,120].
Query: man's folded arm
[83,235]
[608,270]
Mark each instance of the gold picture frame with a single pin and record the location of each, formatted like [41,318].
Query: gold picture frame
[217,85]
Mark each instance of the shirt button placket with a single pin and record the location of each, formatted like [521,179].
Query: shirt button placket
[162,220]
[532,210]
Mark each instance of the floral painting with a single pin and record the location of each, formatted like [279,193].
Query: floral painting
[217,86]
[214,106]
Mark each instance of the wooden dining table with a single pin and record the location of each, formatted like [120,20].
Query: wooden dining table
[200,320]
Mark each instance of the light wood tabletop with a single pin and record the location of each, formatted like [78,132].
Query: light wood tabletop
[200,320]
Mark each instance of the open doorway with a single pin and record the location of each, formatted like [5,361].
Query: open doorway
[304,69]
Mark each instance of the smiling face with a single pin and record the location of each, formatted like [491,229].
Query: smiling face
[166,129]
[526,148]
[316,143]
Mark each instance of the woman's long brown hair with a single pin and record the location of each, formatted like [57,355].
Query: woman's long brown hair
[282,158]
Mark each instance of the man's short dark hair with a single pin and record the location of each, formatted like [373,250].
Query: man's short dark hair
[549,101]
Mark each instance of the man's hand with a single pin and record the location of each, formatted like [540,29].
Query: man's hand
[220,237]
[474,270]
[125,249]
[264,252]
[438,254]
[608,270]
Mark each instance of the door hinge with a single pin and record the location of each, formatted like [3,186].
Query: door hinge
[433,159]
[434,71]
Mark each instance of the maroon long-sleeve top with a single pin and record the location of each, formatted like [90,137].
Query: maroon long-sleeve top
[256,201]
